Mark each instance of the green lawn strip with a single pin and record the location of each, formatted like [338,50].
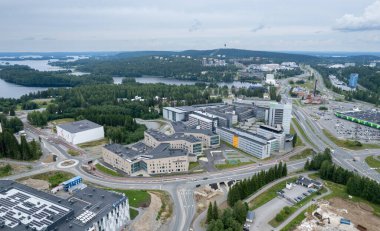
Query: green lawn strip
[133,213]
[268,195]
[298,141]
[106,170]
[73,152]
[298,219]
[193,165]
[302,131]
[350,144]
[232,165]
[136,198]
[5,170]
[292,209]
[54,177]
[254,159]
[304,154]
[373,162]
[93,143]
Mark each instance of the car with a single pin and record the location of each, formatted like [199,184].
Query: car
[205,178]
[305,194]
[198,185]
[299,198]
[296,199]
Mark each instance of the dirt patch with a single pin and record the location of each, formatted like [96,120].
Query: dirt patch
[358,213]
[17,168]
[48,159]
[41,185]
[68,162]
[147,221]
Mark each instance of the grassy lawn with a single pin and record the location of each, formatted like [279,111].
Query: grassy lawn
[302,155]
[73,152]
[54,178]
[299,141]
[137,198]
[193,165]
[93,143]
[61,121]
[268,195]
[373,162]
[5,170]
[298,219]
[133,213]
[302,131]
[106,170]
[232,165]
[350,144]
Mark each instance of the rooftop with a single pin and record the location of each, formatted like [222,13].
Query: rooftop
[277,130]
[176,136]
[248,135]
[79,126]
[21,205]
[142,151]
[182,128]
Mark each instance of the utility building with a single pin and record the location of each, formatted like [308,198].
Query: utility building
[80,131]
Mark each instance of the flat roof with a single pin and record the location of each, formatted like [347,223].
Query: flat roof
[79,126]
[246,135]
[182,128]
[144,152]
[176,136]
[19,202]
[271,129]
[175,109]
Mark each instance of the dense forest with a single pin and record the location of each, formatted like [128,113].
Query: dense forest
[171,67]
[230,219]
[10,147]
[356,185]
[26,76]
[368,78]
[111,105]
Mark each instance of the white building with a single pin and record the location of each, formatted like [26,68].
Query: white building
[174,114]
[269,79]
[80,131]
[276,132]
[280,114]
[208,122]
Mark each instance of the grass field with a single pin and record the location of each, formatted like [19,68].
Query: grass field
[193,165]
[134,213]
[54,178]
[106,170]
[232,165]
[93,143]
[299,141]
[62,121]
[137,198]
[268,195]
[350,144]
[73,152]
[304,154]
[295,122]
[298,219]
[373,162]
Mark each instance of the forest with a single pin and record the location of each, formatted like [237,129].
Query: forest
[10,147]
[169,67]
[111,105]
[26,76]
[356,185]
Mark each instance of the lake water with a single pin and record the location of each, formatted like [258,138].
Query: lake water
[10,90]
[155,79]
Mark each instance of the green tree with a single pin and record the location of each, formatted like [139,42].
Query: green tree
[209,213]
[215,211]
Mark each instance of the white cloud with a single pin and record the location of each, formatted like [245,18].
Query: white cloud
[369,20]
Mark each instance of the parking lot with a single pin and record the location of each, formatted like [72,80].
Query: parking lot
[296,193]
[341,128]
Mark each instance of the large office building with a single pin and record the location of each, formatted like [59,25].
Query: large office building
[279,114]
[174,114]
[273,132]
[353,80]
[152,160]
[209,138]
[253,144]
[190,143]
[88,209]
[203,120]
[80,131]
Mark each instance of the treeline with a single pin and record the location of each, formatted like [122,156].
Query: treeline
[111,106]
[26,76]
[12,125]
[246,187]
[356,185]
[10,148]
[228,219]
[171,67]
[288,73]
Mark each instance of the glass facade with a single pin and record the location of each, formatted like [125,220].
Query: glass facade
[141,165]
[197,148]
[214,140]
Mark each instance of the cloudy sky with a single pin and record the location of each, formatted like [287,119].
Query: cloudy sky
[121,25]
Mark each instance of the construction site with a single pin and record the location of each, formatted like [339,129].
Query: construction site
[340,214]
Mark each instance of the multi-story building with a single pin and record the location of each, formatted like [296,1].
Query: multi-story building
[280,114]
[140,157]
[203,120]
[153,138]
[209,138]
[276,132]
[174,114]
[86,209]
[253,144]
[353,81]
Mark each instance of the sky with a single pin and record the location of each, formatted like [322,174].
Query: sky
[131,25]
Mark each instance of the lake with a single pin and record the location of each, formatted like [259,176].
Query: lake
[156,79]
[10,90]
